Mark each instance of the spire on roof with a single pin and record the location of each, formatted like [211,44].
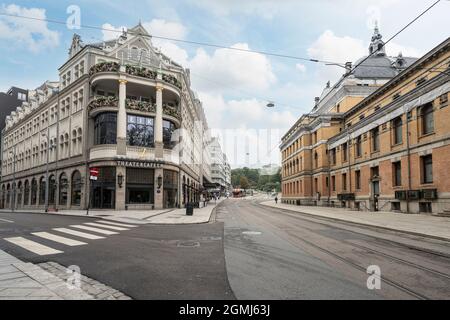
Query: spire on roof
[377,45]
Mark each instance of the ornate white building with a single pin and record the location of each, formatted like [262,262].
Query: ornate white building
[122,111]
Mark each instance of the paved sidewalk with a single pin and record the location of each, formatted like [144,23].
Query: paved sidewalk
[419,224]
[48,281]
[25,281]
[178,216]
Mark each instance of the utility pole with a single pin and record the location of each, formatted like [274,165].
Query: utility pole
[46,170]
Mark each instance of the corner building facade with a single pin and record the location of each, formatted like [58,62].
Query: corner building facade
[378,140]
[123,112]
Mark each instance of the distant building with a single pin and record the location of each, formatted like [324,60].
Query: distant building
[378,139]
[220,168]
[9,102]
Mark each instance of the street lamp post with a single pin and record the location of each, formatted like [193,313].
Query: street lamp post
[47,171]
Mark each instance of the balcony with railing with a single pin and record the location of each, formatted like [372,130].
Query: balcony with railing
[136,71]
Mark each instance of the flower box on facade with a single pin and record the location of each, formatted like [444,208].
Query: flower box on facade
[101,102]
[104,67]
[140,105]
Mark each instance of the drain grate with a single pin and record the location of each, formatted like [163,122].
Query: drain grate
[188,244]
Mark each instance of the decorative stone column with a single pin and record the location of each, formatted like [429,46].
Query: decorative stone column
[159,145]
[159,195]
[122,119]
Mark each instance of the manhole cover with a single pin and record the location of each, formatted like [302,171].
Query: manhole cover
[188,244]
[251,233]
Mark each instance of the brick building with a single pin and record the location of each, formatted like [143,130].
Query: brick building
[378,140]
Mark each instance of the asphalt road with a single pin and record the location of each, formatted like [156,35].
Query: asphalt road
[250,252]
[277,254]
[146,262]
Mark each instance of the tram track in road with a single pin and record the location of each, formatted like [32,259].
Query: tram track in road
[335,224]
[419,287]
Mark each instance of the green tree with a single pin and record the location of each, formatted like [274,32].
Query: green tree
[244,183]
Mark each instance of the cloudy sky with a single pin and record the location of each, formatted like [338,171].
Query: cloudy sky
[235,87]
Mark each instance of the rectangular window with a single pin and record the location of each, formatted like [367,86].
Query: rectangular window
[427,119]
[358,179]
[140,131]
[427,169]
[344,181]
[333,156]
[397,173]
[375,140]
[358,150]
[344,152]
[333,183]
[327,182]
[397,125]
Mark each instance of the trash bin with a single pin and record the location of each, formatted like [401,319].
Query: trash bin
[189,209]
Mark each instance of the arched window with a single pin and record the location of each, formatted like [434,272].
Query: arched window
[42,186]
[52,190]
[76,188]
[105,128]
[134,54]
[26,193]
[34,187]
[63,187]
[80,140]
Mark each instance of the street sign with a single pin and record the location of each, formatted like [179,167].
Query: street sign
[93,173]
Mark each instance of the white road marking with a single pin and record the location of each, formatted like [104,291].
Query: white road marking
[32,246]
[106,226]
[94,229]
[9,221]
[117,224]
[63,240]
[79,234]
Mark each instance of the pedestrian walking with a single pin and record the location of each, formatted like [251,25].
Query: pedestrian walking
[276,200]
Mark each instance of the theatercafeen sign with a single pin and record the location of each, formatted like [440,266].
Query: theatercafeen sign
[140,164]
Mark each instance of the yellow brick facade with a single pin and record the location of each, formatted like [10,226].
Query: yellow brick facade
[387,151]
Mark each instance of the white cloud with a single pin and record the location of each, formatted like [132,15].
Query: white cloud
[225,69]
[330,47]
[163,28]
[34,34]
[110,32]
[168,29]
[300,67]
[393,49]
[246,126]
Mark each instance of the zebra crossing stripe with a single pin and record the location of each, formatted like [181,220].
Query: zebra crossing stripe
[117,224]
[107,232]
[59,239]
[78,234]
[32,246]
[106,226]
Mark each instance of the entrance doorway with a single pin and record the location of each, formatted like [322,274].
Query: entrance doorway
[104,189]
